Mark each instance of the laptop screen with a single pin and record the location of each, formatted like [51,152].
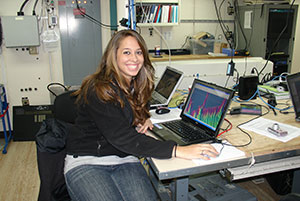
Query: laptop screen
[294,89]
[168,82]
[207,104]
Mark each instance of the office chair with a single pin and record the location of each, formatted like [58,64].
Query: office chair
[50,141]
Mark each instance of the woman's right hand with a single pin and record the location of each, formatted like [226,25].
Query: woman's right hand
[203,151]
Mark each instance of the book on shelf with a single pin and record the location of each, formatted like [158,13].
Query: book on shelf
[152,12]
[157,13]
[279,95]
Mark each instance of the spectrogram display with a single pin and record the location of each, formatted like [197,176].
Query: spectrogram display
[205,107]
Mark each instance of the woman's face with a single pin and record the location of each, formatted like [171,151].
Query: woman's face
[130,57]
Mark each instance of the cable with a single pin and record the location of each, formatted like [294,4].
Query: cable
[33,10]
[56,83]
[271,106]
[227,129]
[221,25]
[21,9]
[249,136]
[91,18]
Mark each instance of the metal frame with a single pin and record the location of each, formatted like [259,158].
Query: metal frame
[177,188]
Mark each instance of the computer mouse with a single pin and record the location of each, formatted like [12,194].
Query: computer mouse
[162,110]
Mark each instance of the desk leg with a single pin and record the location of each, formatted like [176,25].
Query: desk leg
[296,182]
[177,189]
[161,190]
[180,191]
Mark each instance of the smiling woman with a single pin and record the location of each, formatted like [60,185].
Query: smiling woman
[129,58]
[105,143]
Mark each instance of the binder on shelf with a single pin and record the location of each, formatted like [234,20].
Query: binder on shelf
[152,13]
[157,14]
[176,14]
[165,13]
[169,14]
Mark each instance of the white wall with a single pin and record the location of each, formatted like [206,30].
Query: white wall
[190,10]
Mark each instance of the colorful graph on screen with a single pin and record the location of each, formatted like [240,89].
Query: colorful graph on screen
[206,107]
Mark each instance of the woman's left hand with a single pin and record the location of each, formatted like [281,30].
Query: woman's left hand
[147,125]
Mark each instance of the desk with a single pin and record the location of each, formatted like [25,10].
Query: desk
[263,149]
[165,57]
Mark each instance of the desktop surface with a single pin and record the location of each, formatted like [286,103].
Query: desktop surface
[261,147]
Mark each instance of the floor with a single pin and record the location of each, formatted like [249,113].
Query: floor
[20,179]
[261,189]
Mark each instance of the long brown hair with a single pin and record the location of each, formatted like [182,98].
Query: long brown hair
[108,76]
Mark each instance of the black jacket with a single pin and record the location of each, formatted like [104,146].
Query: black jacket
[103,129]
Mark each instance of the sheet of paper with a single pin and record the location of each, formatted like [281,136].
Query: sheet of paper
[172,115]
[227,153]
[248,20]
[260,126]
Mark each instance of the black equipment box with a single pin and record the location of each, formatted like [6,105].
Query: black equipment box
[28,119]
[215,188]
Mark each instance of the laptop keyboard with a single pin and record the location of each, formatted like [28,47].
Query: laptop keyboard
[154,101]
[188,133]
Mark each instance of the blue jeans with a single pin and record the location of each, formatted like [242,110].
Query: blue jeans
[127,182]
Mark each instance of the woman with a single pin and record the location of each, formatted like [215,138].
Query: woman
[104,145]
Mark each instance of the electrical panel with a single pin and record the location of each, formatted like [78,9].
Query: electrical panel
[80,39]
[20,31]
[260,29]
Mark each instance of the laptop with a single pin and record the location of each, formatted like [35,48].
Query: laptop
[202,115]
[166,87]
[293,83]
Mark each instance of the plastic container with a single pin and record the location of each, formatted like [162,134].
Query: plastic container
[202,46]
[50,40]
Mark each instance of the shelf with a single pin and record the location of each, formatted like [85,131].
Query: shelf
[157,1]
[157,13]
[156,24]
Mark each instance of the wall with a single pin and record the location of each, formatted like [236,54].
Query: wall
[195,12]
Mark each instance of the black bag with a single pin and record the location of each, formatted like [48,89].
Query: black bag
[50,141]
[52,136]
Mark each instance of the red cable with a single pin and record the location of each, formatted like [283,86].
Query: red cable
[226,129]
[2,115]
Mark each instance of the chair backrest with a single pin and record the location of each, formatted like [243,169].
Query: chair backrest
[65,107]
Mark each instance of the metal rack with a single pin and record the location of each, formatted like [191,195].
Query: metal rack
[5,113]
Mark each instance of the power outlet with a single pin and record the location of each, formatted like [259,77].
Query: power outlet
[33,50]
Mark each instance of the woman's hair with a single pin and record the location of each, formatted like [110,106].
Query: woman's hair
[108,78]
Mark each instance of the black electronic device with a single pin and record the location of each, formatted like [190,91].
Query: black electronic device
[247,87]
[230,68]
[293,81]
[162,110]
[28,119]
[251,109]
